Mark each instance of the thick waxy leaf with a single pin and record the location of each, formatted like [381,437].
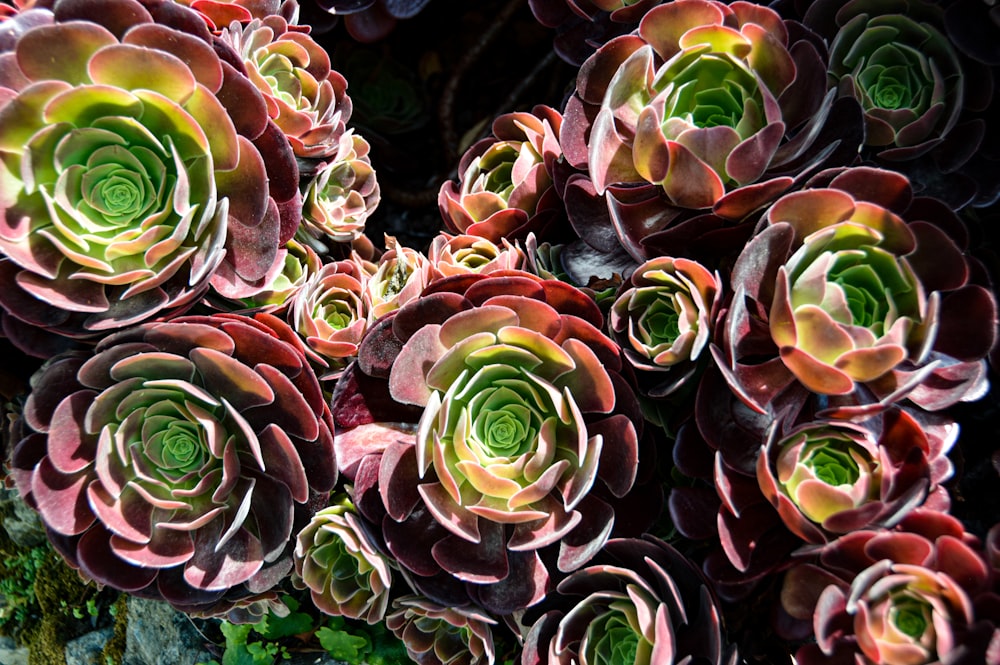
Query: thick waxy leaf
[61,52]
[133,67]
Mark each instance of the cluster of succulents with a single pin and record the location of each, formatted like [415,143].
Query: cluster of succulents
[681,378]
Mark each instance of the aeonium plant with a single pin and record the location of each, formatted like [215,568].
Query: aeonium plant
[827,478]
[465,253]
[437,634]
[341,196]
[332,314]
[344,573]
[526,435]
[925,108]
[505,188]
[179,459]
[662,318]
[640,602]
[682,128]
[135,171]
[922,593]
[867,297]
[304,95]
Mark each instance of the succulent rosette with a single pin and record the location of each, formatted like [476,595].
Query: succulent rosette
[344,573]
[921,593]
[702,115]
[399,276]
[440,635]
[331,313]
[306,98]
[864,292]
[641,602]
[179,460]
[505,180]
[663,319]
[526,434]
[464,253]
[135,170]
[827,478]
[925,111]
[341,196]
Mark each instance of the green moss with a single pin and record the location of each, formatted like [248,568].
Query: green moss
[68,606]
[47,645]
[114,651]
[57,589]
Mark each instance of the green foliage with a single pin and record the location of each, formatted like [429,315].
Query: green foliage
[274,638]
[356,643]
[18,572]
[274,627]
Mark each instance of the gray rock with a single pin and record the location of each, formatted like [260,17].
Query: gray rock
[86,649]
[20,522]
[10,654]
[159,635]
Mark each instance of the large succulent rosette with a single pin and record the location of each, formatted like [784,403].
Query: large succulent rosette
[759,487]
[702,115]
[922,593]
[525,435]
[641,602]
[135,171]
[505,180]
[305,96]
[180,459]
[857,290]
[924,102]
[827,478]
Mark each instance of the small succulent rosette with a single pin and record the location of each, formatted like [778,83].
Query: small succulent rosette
[522,435]
[640,602]
[663,319]
[925,110]
[332,315]
[866,295]
[304,95]
[505,180]
[341,196]
[440,635]
[922,593]
[179,460]
[400,275]
[465,253]
[136,169]
[345,574]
